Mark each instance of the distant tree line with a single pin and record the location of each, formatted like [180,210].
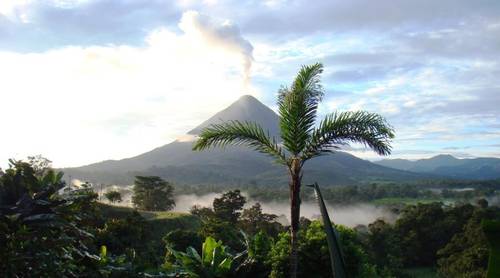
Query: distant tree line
[360,193]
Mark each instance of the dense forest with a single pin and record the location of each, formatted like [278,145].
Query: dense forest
[48,229]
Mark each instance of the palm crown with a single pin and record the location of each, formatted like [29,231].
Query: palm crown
[301,138]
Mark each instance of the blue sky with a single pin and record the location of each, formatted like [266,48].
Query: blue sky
[88,80]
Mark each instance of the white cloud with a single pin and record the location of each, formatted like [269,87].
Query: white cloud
[14,9]
[78,105]
[219,34]
[423,75]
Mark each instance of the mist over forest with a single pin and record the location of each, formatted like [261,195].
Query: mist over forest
[350,215]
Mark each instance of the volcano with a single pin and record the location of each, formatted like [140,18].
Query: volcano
[176,162]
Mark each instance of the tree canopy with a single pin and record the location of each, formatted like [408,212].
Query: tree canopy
[153,193]
[113,196]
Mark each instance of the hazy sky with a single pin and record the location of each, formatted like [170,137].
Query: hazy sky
[87,80]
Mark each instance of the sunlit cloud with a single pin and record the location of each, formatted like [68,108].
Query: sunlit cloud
[119,101]
[117,78]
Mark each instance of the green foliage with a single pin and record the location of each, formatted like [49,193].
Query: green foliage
[120,235]
[215,261]
[240,133]
[278,257]
[160,226]
[221,230]
[228,207]
[153,193]
[384,246]
[51,232]
[181,239]
[419,272]
[225,219]
[336,256]
[21,178]
[425,228]
[257,250]
[113,196]
[44,233]
[253,220]
[297,107]
[492,231]
[335,129]
[358,263]
[314,255]
[430,235]
[466,255]
[117,266]
[131,233]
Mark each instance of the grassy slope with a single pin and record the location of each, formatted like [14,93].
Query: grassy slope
[161,222]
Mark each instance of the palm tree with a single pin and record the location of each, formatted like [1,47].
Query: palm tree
[301,138]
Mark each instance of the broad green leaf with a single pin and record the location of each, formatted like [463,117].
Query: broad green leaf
[104,251]
[207,250]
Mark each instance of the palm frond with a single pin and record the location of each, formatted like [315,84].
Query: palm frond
[336,256]
[298,106]
[240,133]
[336,129]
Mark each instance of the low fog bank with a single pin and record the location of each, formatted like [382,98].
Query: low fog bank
[126,192]
[350,215]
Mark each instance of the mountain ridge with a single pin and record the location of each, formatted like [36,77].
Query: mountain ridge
[178,163]
[449,166]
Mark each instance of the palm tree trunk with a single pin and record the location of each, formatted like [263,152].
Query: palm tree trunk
[295,182]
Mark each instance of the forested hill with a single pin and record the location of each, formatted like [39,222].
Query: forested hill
[178,163]
[449,166]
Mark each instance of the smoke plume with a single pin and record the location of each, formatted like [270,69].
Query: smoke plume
[221,34]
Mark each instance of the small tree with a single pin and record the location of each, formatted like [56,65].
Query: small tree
[113,196]
[220,222]
[153,193]
[39,164]
[229,206]
[254,220]
[24,178]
